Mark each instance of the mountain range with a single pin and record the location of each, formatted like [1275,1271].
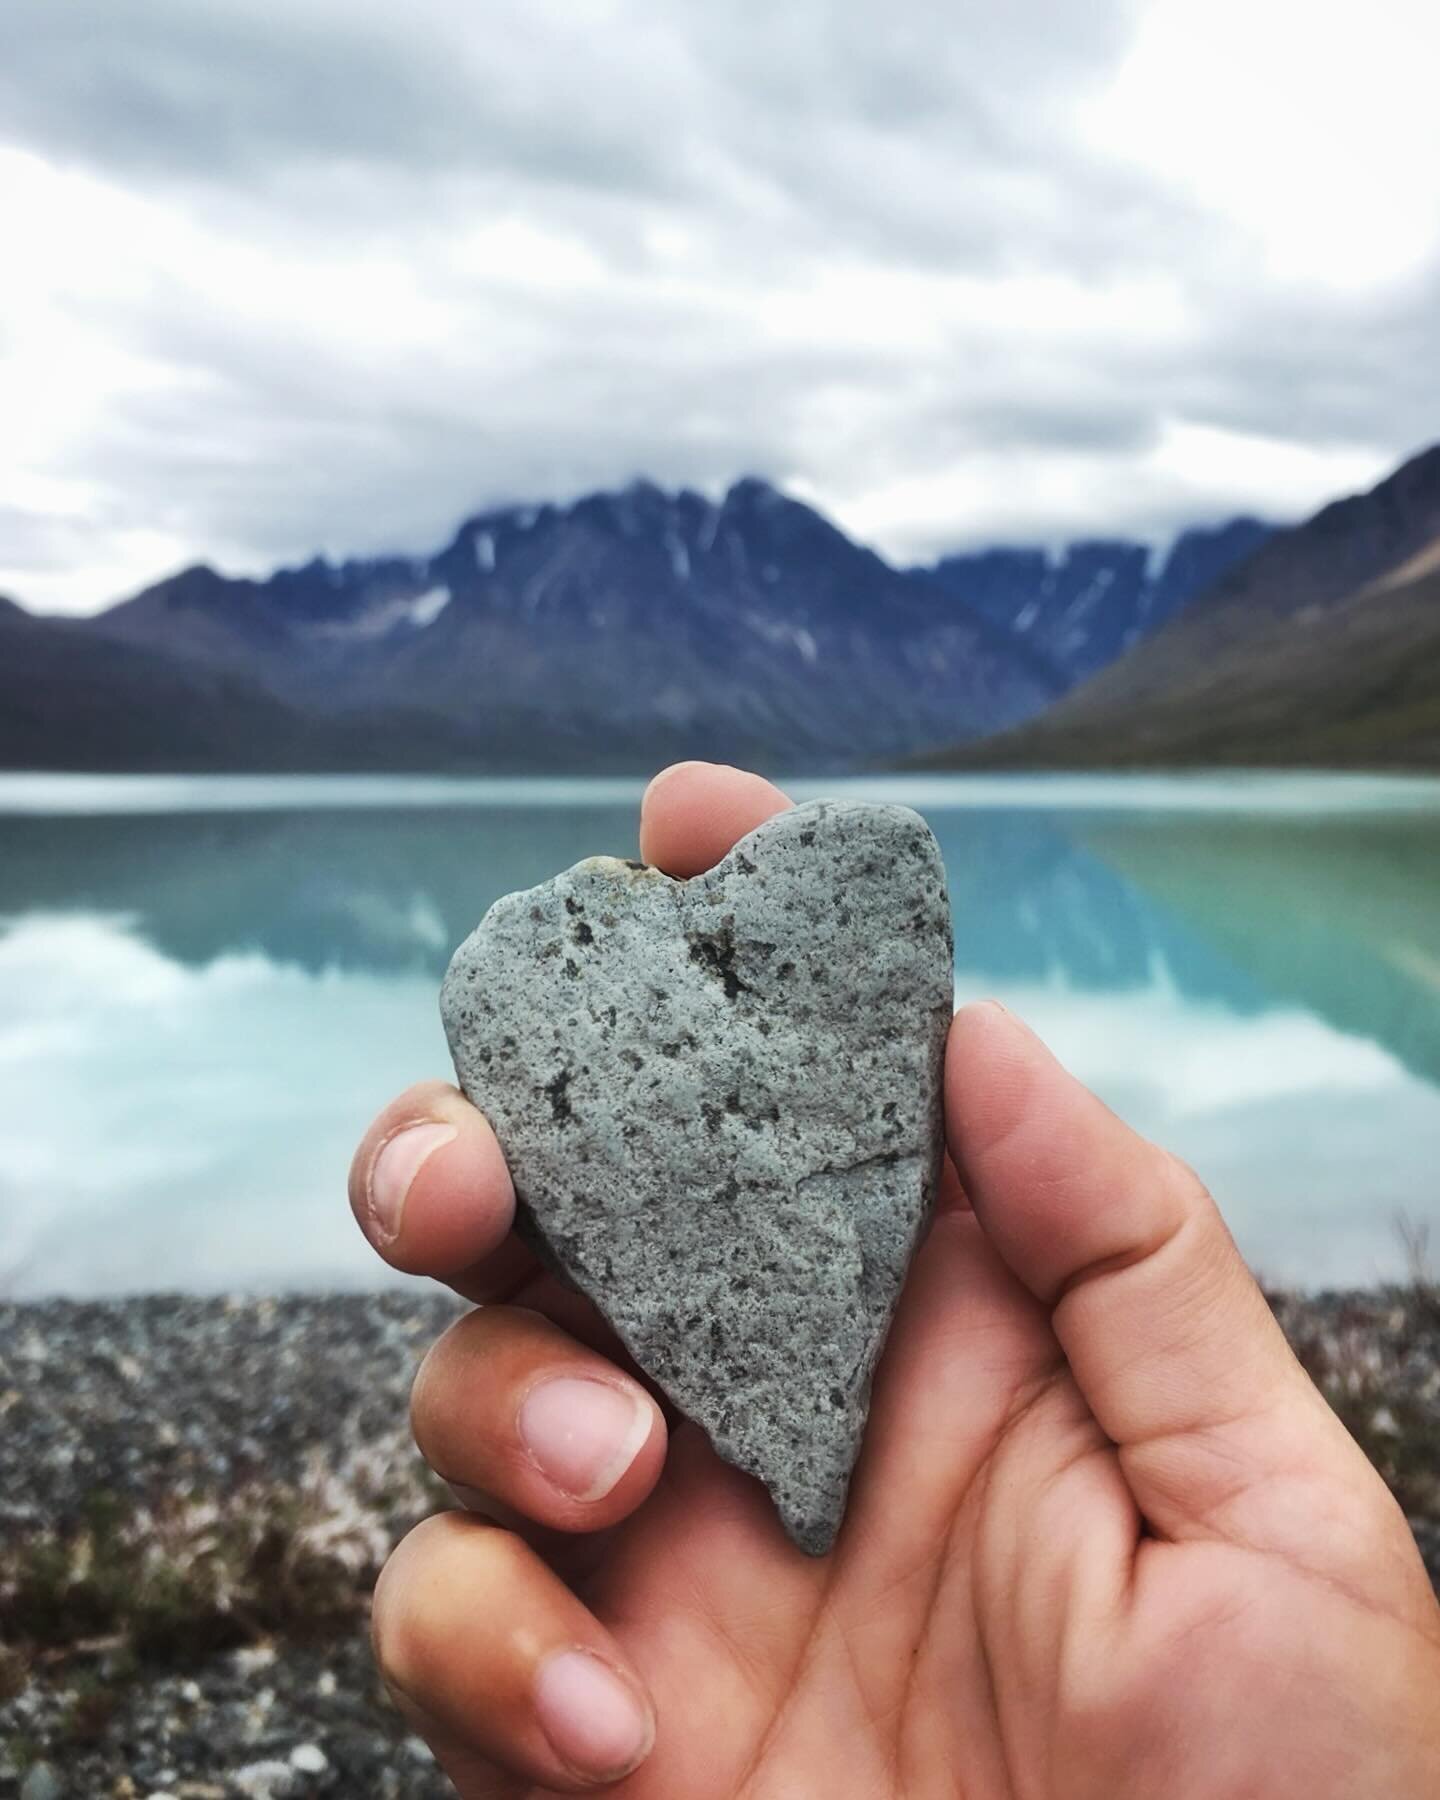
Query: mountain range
[1098,598]
[617,632]
[1320,649]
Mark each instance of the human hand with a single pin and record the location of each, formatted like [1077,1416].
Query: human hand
[1105,1539]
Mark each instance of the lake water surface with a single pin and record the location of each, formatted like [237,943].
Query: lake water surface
[208,985]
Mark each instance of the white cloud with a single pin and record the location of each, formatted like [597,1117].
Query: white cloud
[170,1127]
[1184,471]
[1310,127]
[956,271]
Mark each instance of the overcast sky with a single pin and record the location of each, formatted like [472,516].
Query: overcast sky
[287,275]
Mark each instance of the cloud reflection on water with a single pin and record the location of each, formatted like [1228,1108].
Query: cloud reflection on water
[201,1012]
[165,1126]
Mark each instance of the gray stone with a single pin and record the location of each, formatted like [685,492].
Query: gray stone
[720,1102]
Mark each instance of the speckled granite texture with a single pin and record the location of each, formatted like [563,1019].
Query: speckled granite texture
[720,1101]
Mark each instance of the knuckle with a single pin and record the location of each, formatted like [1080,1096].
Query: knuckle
[1181,1179]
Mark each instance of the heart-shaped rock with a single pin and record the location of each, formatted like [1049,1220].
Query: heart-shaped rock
[720,1103]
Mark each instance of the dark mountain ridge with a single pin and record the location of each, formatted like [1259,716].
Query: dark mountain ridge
[1099,597]
[70,699]
[624,629]
[1323,648]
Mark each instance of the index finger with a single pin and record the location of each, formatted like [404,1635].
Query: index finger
[429,1185]
[430,1189]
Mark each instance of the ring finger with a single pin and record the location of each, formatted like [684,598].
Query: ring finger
[501,1666]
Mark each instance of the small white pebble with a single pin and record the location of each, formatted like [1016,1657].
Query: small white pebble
[309,1759]
[327,1684]
[190,1692]
[253,1659]
[267,1780]
[420,1750]
[1383,1421]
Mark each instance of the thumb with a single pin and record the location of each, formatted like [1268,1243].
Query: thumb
[1220,1432]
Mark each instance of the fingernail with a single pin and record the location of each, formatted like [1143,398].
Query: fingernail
[583,1435]
[596,1723]
[394,1171]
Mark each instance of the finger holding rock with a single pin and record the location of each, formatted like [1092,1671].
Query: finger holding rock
[500,1665]
[430,1189]
[507,1406]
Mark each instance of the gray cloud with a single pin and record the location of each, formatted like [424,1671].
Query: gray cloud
[391,264]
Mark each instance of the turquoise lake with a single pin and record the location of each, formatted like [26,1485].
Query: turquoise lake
[208,985]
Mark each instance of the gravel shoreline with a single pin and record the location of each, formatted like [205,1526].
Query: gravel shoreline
[195,1496]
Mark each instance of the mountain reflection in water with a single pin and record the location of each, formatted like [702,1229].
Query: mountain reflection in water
[202,1008]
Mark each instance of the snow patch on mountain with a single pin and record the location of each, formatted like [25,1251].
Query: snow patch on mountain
[414,612]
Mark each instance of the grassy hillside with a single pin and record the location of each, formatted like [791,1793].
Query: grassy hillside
[71,699]
[1322,649]
[1357,687]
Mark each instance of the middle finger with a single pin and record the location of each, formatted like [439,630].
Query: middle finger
[508,1406]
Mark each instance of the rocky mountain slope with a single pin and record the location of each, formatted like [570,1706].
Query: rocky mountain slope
[1321,649]
[624,629]
[621,631]
[1099,598]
